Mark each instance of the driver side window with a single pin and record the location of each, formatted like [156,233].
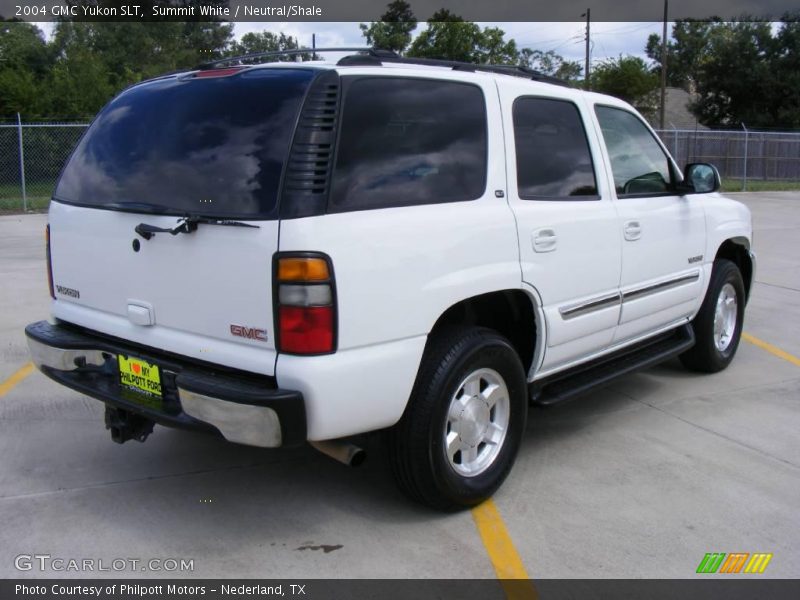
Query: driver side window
[639,165]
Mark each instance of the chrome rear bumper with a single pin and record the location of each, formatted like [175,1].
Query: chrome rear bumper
[246,409]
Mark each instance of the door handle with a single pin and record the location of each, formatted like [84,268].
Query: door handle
[544,240]
[633,230]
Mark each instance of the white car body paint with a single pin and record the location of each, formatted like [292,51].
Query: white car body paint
[397,270]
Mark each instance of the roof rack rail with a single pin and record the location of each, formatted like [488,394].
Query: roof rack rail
[515,70]
[234,60]
[375,56]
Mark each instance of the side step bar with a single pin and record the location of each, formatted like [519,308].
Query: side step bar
[576,381]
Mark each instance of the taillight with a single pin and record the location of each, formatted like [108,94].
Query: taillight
[305,302]
[49,262]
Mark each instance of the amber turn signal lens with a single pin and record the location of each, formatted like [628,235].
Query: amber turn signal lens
[303,269]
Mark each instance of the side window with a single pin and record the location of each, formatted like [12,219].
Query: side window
[409,141]
[553,157]
[639,164]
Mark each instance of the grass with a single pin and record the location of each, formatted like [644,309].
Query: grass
[37,193]
[757,185]
[13,206]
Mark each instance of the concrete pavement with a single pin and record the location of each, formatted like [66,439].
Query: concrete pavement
[638,480]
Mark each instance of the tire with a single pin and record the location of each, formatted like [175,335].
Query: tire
[460,368]
[716,343]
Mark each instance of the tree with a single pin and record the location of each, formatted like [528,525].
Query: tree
[136,51]
[22,46]
[493,49]
[79,85]
[393,31]
[203,40]
[449,37]
[628,78]
[741,71]
[24,62]
[550,63]
[786,70]
[95,60]
[266,41]
[685,52]
[735,80]
[19,93]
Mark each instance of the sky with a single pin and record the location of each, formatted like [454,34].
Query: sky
[609,39]
[567,39]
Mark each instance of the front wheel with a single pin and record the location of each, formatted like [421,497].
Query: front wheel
[718,324]
[465,419]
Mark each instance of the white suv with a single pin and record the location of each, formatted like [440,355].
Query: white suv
[292,252]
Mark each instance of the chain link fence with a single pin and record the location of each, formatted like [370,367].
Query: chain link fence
[33,154]
[743,156]
[31,158]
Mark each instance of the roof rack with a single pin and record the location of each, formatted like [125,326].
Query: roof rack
[234,60]
[378,56]
[515,70]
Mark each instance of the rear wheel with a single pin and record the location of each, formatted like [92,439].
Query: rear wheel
[718,324]
[462,427]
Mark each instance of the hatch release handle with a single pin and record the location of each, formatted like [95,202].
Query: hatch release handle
[141,313]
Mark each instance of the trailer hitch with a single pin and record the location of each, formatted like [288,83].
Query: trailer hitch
[125,425]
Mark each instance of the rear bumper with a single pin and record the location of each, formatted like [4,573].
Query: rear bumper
[243,407]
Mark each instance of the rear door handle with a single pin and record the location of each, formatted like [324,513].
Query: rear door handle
[544,240]
[633,230]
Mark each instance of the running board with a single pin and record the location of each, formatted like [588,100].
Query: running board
[599,372]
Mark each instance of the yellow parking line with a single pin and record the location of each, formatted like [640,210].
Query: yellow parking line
[771,349]
[12,381]
[500,548]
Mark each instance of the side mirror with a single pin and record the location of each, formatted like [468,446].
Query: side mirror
[699,178]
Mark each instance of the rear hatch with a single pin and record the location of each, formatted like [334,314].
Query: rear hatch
[212,146]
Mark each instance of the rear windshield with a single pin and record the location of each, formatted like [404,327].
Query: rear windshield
[211,146]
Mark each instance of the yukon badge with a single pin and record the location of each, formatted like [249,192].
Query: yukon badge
[65,291]
[251,333]
[695,259]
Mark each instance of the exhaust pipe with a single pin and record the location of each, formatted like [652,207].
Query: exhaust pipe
[345,452]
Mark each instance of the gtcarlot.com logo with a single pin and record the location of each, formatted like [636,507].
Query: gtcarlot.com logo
[46,562]
[735,562]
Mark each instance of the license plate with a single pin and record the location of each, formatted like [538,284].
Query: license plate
[140,376]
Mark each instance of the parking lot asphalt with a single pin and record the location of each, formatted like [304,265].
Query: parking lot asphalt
[640,479]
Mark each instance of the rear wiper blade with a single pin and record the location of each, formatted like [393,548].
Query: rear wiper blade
[135,207]
[215,221]
[187,224]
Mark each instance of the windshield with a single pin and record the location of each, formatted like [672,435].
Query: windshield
[211,146]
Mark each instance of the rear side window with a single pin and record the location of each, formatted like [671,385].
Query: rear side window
[211,146]
[409,141]
[553,157]
[639,165]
